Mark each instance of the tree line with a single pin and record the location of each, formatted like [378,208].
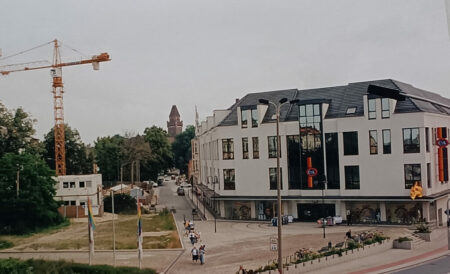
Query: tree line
[29,205]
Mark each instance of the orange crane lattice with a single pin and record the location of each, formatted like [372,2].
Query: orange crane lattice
[58,106]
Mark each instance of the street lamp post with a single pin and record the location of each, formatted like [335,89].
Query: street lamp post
[279,221]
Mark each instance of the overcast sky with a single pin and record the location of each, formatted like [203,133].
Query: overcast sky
[207,53]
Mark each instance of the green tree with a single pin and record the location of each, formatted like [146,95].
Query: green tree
[108,156]
[16,131]
[182,148]
[77,159]
[123,203]
[162,156]
[35,206]
[135,152]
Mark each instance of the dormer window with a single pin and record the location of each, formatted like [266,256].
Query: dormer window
[254,117]
[385,108]
[350,110]
[372,109]
[244,118]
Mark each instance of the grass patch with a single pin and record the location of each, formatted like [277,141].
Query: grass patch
[5,244]
[126,230]
[41,266]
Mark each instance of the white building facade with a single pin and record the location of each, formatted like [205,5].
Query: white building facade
[369,141]
[75,190]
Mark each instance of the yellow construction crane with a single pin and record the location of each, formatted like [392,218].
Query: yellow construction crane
[58,106]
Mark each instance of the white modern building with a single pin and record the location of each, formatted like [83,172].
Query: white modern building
[369,141]
[74,190]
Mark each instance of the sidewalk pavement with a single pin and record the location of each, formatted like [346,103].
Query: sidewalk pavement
[394,259]
[205,212]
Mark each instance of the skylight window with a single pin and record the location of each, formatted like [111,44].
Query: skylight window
[351,110]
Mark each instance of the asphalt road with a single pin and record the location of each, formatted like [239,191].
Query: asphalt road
[437,266]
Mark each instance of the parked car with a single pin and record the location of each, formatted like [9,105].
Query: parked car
[180,191]
[185,185]
[160,180]
[154,184]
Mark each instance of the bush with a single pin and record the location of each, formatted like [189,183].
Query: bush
[403,239]
[5,244]
[352,245]
[41,266]
[422,228]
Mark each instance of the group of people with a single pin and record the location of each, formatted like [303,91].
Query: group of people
[194,237]
[198,254]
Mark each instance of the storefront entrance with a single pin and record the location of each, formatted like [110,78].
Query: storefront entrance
[313,212]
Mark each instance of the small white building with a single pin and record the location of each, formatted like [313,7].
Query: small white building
[74,190]
[369,141]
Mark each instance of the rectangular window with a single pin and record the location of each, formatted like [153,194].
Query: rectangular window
[293,158]
[227,149]
[66,203]
[350,143]
[81,184]
[311,141]
[385,109]
[332,154]
[244,118]
[372,110]
[429,175]
[65,184]
[412,175]
[83,204]
[245,148]
[351,177]
[386,141]
[373,142]
[427,139]
[255,145]
[228,179]
[411,140]
[73,203]
[72,184]
[254,117]
[88,183]
[273,178]
[272,142]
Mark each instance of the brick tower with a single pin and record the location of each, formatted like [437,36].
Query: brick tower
[174,125]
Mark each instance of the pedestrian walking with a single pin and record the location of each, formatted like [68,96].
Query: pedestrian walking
[194,253]
[192,237]
[202,252]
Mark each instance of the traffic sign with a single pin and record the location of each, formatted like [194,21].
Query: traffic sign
[273,244]
[442,142]
[311,172]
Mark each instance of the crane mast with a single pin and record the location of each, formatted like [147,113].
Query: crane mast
[58,108]
[58,93]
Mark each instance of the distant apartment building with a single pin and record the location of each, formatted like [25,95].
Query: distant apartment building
[74,191]
[174,125]
[369,141]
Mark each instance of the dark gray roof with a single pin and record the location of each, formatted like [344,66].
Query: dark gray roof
[340,98]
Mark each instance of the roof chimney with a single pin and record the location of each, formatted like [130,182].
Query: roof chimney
[237,100]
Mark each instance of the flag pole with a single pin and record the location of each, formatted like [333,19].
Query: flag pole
[139,233]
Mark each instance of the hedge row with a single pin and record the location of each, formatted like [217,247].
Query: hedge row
[16,266]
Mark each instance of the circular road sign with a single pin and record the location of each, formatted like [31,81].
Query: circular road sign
[311,172]
[442,142]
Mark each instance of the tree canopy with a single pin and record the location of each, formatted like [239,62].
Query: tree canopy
[182,148]
[34,207]
[78,160]
[108,156]
[162,157]
[16,131]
